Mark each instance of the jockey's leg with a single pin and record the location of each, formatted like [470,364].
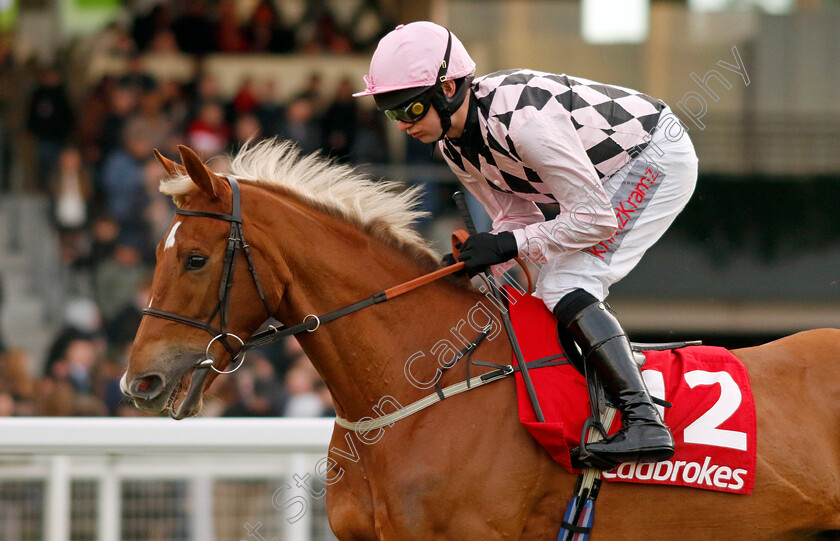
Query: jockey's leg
[594,328]
[647,193]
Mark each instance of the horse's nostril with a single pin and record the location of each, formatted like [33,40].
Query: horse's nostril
[147,387]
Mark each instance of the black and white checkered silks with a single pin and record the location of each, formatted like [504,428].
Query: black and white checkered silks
[558,139]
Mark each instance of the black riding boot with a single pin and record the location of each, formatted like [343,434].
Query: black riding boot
[643,436]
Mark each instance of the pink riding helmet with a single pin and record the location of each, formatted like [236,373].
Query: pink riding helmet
[410,56]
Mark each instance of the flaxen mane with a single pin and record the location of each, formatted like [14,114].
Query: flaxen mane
[383,209]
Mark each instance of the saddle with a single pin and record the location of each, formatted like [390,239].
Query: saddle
[714,451]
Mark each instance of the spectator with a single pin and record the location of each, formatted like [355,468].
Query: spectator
[123,326]
[122,181]
[164,43]
[136,76]
[122,101]
[79,359]
[113,41]
[282,355]
[72,380]
[209,134]
[149,121]
[116,279]
[193,30]
[7,404]
[55,397]
[266,32]
[146,27]
[312,92]
[95,109]
[14,79]
[174,104]
[247,128]
[300,384]
[81,321]
[2,337]
[260,393]
[16,384]
[205,89]
[270,110]
[88,406]
[104,233]
[338,124]
[108,385]
[50,119]
[370,141]
[71,191]
[300,126]
[327,37]
[246,100]
[69,383]
[229,34]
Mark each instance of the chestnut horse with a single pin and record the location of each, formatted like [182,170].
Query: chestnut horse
[324,237]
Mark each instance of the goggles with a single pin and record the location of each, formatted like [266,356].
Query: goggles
[414,111]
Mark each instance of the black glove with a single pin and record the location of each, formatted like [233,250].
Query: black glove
[481,250]
[447,260]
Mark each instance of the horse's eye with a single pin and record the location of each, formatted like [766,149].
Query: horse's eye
[195,262]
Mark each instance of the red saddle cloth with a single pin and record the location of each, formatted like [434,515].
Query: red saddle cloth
[712,418]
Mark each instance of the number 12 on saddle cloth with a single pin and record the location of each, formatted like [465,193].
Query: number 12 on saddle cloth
[712,419]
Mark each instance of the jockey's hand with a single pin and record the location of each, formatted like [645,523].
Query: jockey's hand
[448,260]
[481,250]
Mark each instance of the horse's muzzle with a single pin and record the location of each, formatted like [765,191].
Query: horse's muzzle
[149,392]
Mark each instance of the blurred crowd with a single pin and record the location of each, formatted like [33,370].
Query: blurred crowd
[93,160]
[200,27]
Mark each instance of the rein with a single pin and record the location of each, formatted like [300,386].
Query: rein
[310,323]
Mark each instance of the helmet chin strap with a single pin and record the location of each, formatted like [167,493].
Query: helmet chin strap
[439,100]
[441,105]
[446,106]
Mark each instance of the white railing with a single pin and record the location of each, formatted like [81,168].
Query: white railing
[109,479]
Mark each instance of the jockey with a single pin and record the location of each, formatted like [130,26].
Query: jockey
[615,163]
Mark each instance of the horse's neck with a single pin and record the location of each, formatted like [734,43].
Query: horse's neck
[367,357]
[363,356]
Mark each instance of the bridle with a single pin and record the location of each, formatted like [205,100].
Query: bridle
[310,323]
[236,240]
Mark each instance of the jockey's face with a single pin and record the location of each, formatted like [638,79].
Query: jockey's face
[427,129]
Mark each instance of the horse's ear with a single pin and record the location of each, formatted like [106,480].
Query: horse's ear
[172,169]
[208,181]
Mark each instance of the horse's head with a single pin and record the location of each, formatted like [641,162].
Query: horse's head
[322,237]
[200,311]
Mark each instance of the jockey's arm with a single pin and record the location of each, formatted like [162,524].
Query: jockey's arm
[550,146]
